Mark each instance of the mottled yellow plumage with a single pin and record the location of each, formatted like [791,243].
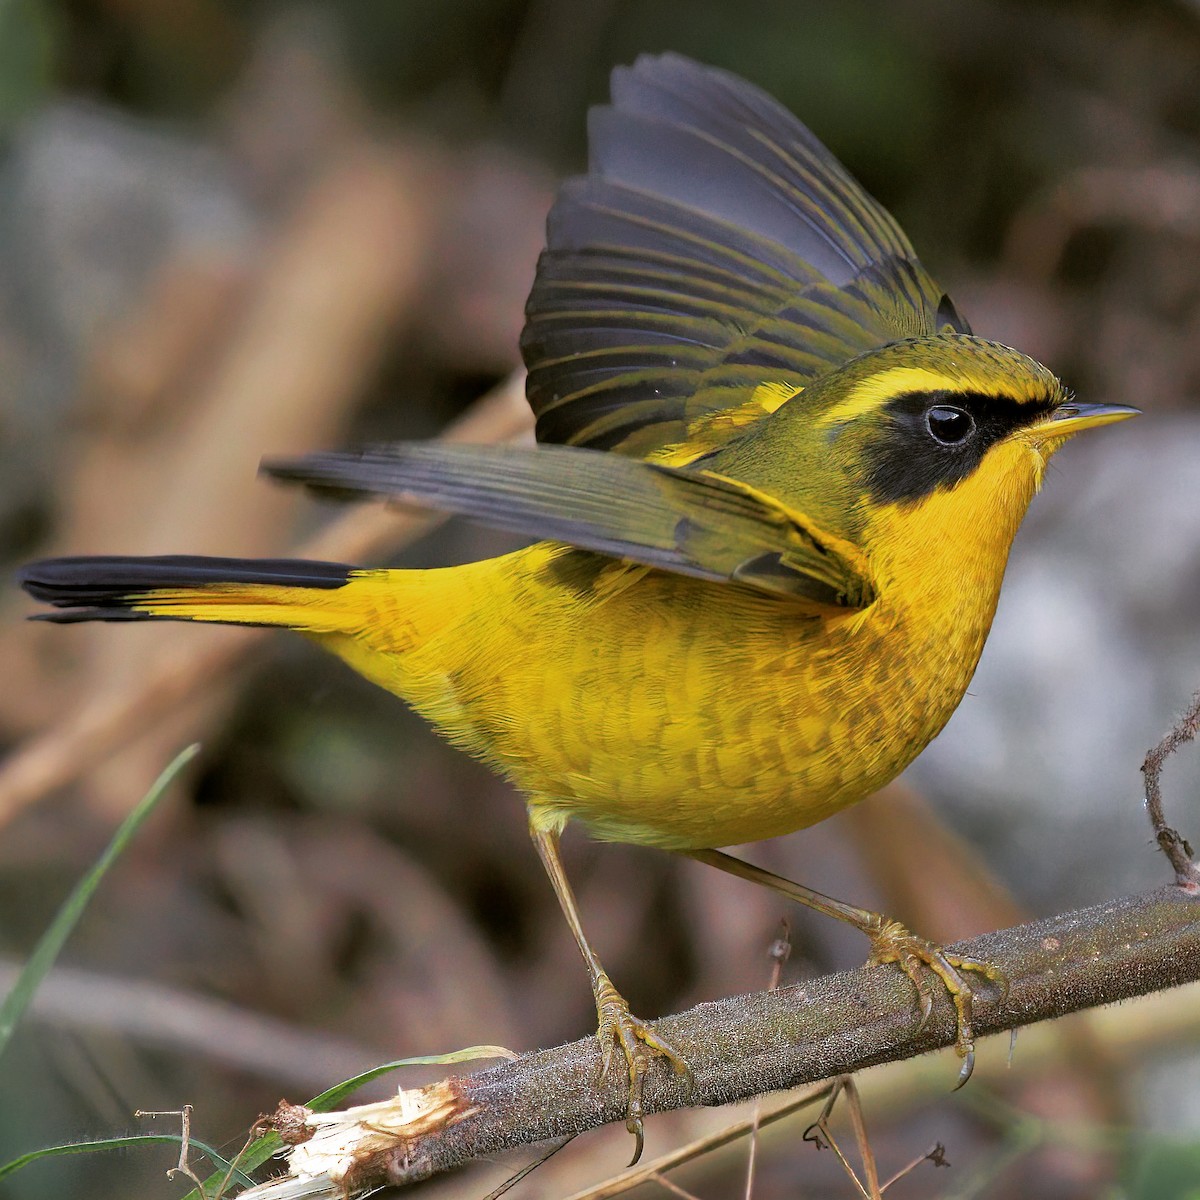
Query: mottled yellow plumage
[780,480]
[680,713]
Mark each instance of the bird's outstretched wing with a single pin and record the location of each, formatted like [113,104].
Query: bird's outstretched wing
[713,245]
[689,522]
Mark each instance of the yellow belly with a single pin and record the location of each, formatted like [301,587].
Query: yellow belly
[658,709]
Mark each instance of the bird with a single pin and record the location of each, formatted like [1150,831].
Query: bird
[775,483]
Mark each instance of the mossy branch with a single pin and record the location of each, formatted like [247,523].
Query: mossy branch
[748,1045]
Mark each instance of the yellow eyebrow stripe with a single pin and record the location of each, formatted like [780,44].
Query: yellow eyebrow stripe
[873,393]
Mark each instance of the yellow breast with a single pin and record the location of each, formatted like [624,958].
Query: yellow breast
[661,710]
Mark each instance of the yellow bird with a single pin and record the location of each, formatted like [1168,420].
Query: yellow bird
[777,481]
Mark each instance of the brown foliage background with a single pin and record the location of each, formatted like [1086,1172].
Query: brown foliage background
[227,230]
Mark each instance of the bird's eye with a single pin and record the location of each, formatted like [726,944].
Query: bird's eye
[949,425]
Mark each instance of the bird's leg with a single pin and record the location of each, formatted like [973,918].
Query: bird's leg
[619,1028]
[890,942]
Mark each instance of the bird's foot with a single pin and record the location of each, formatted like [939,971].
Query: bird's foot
[620,1031]
[919,959]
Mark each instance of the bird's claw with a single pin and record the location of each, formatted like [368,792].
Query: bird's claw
[918,959]
[638,1043]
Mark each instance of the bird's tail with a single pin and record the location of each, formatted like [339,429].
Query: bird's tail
[313,597]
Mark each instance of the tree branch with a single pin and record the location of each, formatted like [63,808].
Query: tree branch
[1170,841]
[745,1046]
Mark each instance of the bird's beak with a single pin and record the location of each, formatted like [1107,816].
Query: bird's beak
[1071,418]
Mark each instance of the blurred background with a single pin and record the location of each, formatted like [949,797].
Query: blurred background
[235,228]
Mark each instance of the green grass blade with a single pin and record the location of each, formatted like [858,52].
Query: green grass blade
[47,949]
[124,1142]
[336,1094]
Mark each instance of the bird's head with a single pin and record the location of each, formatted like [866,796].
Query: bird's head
[926,417]
[920,448]
[950,422]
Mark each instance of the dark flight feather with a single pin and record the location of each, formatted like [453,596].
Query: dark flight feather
[714,245]
[100,587]
[689,522]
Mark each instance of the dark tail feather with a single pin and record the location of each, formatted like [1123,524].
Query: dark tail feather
[103,588]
